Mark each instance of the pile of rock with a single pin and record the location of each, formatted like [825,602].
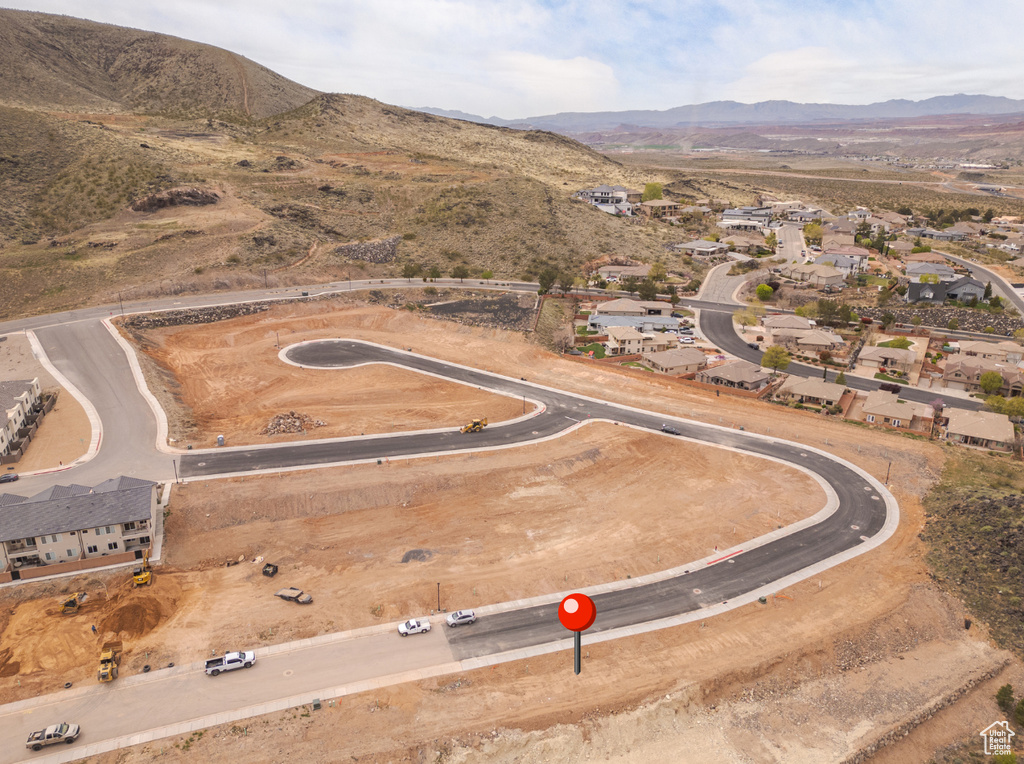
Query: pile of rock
[191,197]
[291,422]
[383,251]
[193,315]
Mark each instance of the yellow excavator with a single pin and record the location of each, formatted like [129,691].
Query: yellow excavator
[110,657]
[475,426]
[71,604]
[143,575]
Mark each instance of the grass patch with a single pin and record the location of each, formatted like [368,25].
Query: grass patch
[900,342]
[637,365]
[974,531]
[583,331]
[596,347]
[887,378]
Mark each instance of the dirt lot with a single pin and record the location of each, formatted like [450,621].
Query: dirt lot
[829,669]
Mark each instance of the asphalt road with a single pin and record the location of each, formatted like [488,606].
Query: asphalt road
[999,285]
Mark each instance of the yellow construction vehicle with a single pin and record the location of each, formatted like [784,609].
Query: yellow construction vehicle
[143,575]
[110,657]
[71,604]
[475,426]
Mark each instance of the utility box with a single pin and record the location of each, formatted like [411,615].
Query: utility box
[220,440]
[270,570]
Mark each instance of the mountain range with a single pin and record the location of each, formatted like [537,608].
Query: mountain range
[728,113]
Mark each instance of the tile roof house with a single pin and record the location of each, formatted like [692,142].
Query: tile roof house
[964,372]
[659,208]
[624,306]
[818,275]
[964,289]
[623,340]
[738,374]
[622,271]
[674,362]
[916,270]
[889,358]
[785,322]
[1007,351]
[918,257]
[74,523]
[884,408]
[600,323]
[806,340]
[930,293]
[980,428]
[811,390]
[842,263]
[704,248]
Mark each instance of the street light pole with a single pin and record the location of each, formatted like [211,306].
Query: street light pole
[175,463]
[438,596]
[120,303]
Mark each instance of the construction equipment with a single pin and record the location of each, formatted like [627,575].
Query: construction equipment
[143,575]
[71,604]
[475,426]
[110,657]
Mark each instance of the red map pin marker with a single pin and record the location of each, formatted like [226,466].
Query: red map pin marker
[577,613]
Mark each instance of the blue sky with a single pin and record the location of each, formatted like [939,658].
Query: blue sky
[533,57]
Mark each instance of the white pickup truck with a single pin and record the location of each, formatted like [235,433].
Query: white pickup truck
[230,662]
[55,733]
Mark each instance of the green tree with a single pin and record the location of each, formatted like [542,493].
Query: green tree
[487,275]
[460,272]
[771,241]
[916,320]
[1019,334]
[1018,714]
[813,233]
[1004,699]
[435,272]
[887,320]
[764,292]
[546,279]
[411,270]
[953,324]
[828,311]
[672,296]
[840,378]
[647,290]
[658,272]
[988,291]
[745,317]
[995,301]
[905,211]
[991,382]
[884,297]
[630,283]
[652,191]
[989,214]
[775,358]
[863,230]
[565,282]
[845,314]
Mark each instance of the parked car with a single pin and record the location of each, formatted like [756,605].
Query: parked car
[414,626]
[686,340]
[460,618]
[753,345]
[55,733]
[10,477]
[670,429]
[230,662]
[686,331]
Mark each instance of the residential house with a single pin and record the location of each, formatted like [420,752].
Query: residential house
[814,391]
[696,210]
[884,408]
[20,402]
[610,195]
[964,372]
[601,323]
[946,235]
[968,228]
[944,273]
[831,240]
[808,215]
[965,289]
[842,263]
[746,244]
[930,293]
[980,428]
[1006,351]
[675,362]
[706,248]
[742,375]
[840,226]
[761,216]
[659,208]
[896,221]
[785,321]
[627,307]
[887,358]
[818,275]
[807,341]
[623,340]
[904,248]
[658,342]
[71,523]
[619,272]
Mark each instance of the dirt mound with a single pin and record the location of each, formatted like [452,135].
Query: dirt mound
[133,619]
[7,666]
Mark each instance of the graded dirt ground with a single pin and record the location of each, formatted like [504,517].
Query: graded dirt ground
[830,648]
[598,505]
[234,383]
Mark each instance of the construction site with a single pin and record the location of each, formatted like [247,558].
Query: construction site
[823,671]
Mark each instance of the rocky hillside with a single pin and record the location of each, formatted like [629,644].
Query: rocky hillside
[68,64]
